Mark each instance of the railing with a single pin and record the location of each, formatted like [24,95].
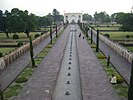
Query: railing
[119,49]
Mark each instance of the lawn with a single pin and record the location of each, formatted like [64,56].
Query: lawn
[6,50]
[109,28]
[21,35]
[130,48]
[119,34]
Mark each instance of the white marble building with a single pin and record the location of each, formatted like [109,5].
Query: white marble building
[73,17]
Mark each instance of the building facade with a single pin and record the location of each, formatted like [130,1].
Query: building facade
[73,17]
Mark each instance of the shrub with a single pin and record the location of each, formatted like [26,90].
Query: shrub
[21,80]
[119,79]
[107,35]
[20,44]
[37,35]
[1,54]
[101,57]
[49,46]
[15,36]
[42,33]
[107,25]
[127,36]
[98,25]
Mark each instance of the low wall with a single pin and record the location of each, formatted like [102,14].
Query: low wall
[11,57]
[119,49]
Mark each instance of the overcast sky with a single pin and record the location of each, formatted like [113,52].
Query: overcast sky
[43,7]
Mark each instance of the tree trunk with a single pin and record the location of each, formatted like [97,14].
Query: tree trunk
[32,53]
[97,41]
[130,90]
[7,35]
[27,33]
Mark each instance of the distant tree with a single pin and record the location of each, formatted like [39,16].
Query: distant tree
[30,24]
[4,22]
[102,17]
[87,17]
[1,19]
[127,22]
[118,17]
[57,17]
[125,19]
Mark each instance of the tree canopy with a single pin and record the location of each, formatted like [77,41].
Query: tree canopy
[21,21]
[87,17]
[102,17]
[126,19]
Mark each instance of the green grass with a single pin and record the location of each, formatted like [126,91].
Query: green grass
[12,91]
[100,55]
[105,25]
[21,35]
[27,72]
[118,34]
[6,50]
[108,28]
[122,90]
[130,49]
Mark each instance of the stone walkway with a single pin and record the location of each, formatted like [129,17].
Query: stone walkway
[41,84]
[120,63]
[13,70]
[94,81]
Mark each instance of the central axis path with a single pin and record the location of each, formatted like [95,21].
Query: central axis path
[68,82]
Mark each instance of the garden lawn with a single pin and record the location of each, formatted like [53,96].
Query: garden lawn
[130,49]
[119,34]
[6,50]
[21,35]
[109,28]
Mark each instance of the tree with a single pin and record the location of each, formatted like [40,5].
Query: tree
[125,19]
[4,26]
[87,17]
[57,17]
[102,17]
[30,24]
[31,53]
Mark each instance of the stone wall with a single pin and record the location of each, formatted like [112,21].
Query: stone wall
[119,49]
[11,57]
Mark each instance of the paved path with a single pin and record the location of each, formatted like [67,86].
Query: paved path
[41,84]
[120,63]
[94,81]
[68,85]
[13,70]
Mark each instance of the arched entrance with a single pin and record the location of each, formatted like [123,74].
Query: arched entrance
[73,19]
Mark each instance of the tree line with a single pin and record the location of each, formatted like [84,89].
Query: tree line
[17,21]
[125,19]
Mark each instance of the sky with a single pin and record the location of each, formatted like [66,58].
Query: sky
[43,7]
